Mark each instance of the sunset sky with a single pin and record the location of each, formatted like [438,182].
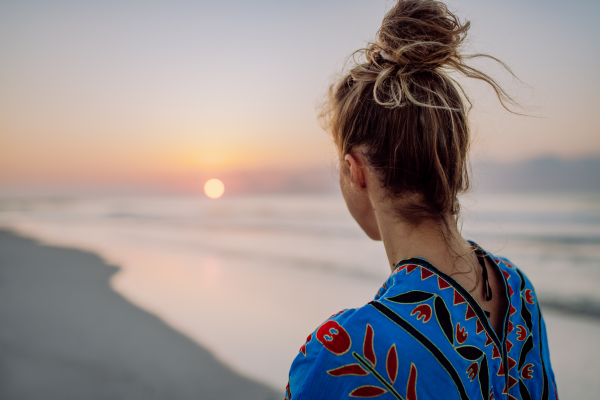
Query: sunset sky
[156,91]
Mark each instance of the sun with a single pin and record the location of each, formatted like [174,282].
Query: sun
[214,188]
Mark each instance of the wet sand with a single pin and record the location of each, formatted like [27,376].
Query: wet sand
[64,333]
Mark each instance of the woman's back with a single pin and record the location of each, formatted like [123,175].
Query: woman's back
[425,337]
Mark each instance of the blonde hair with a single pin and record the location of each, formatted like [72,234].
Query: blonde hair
[403,106]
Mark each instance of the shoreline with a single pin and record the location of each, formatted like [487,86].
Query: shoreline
[180,306]
[66,330]
[580,309]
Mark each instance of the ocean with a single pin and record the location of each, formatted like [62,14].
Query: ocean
[251,277]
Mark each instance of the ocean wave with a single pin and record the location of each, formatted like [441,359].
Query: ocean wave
[589,308]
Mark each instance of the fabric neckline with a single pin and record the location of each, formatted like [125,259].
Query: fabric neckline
[499,341]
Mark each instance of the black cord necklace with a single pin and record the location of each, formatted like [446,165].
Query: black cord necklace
[486,282]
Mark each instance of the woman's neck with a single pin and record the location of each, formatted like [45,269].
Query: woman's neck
[448,253]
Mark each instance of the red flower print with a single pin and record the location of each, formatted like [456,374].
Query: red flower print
[411,386]
[529,296]
[510,327]
[366,366]
[501,369]
[461,335]
[472,370]
[458,299]
[350,369]
[512,382]
[334,338]
[423,311]
[488,340]
[391,363]
[425,273]
[367,391]
[521,333]
[410,268]
[442,284]
[479,328]
[368,349]
[303,348]
[495,352]
[470,313]
[509,345]
[527,371]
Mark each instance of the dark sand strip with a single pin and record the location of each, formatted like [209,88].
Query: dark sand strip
[64,334]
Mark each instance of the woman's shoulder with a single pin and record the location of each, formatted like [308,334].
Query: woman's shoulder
[349,344]
[369,351]
[515,277]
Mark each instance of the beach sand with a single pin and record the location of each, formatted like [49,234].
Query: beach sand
[65,334]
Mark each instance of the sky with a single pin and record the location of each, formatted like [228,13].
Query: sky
[167,93]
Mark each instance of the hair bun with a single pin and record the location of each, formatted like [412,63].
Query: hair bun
[419,34]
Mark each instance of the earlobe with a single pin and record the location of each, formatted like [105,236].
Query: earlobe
[353,170]
[350,172]
[357,178]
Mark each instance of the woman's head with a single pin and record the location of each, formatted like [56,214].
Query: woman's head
[402,110]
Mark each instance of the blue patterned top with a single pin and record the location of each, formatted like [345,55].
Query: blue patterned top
[425,337]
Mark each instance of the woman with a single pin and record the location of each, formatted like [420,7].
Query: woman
[451,321]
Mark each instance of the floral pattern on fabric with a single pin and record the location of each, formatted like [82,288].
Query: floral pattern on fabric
[425,337]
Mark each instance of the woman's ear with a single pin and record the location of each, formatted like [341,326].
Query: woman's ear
[356,166]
